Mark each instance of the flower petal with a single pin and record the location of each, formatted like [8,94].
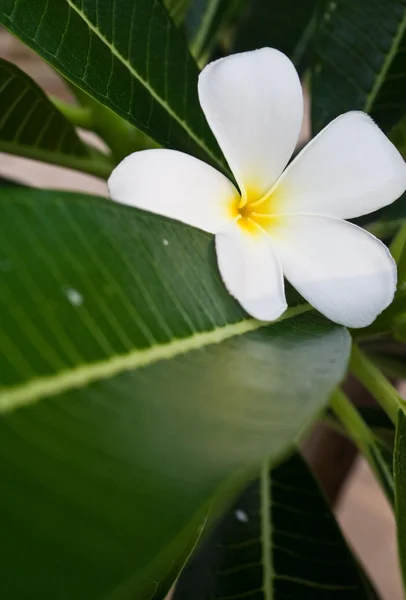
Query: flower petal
[342,270]
[175,185]
[253,103]
[251,271]
[349,169]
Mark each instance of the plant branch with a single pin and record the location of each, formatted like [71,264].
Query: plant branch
[363,438]
[376,383]
[120,136]
[76,115]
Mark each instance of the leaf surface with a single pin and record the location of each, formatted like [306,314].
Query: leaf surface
[128,55]
[280,540]
[360,62]
[271,23]
[31,126]
[134,391]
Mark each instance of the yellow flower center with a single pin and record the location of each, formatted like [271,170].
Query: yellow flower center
[256,212]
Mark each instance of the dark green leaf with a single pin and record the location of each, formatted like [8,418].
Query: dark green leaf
[272,23]
[280,540]
[134,388]
[128,55]
[360,62]
[203,23]
[31,126]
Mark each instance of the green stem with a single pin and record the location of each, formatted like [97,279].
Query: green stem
[352,422]
[363,438]
[77,115]
[120,136]
[376,383]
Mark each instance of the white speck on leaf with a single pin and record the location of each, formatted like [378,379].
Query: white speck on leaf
[241,516]
[74,297]
[165,242]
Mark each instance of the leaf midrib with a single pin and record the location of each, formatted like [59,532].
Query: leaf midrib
[199,141]
[80,376]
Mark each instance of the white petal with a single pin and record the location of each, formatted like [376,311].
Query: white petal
[349,169]
[251,271]
[175,185]
[253,103]
[343,271]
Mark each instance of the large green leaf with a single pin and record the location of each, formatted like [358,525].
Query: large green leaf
[129,55]
[280,540]
[272,23]
[134,388]
[360,63]
[400,489]
[31,126]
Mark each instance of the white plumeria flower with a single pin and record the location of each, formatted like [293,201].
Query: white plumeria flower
[280,222]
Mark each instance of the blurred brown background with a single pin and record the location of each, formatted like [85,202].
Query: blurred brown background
[362,509]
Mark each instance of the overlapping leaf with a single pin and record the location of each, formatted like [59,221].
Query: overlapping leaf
[133,389]
[29,119]
[280,540]
[360,62]
[272,23]
[129,55]
[31,126]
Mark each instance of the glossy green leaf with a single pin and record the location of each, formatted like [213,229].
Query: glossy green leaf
[272,23]
[128,55]
[134,388]
[360,63]
[31,126]
[280,540]
[400,489]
